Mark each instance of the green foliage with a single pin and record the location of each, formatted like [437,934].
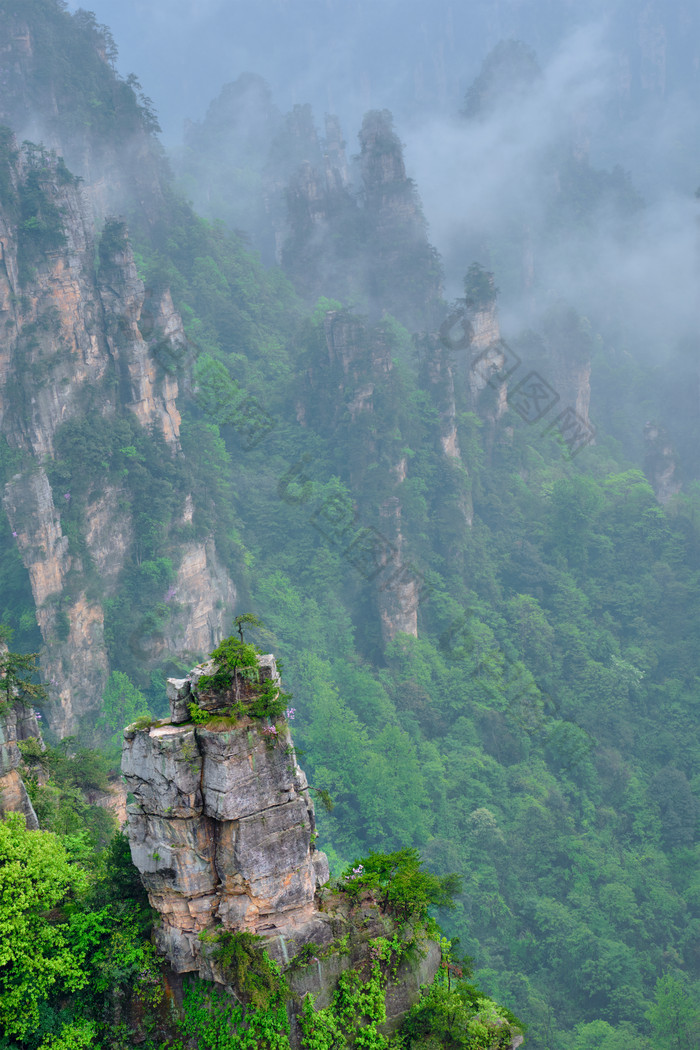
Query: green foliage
[357,1008]
[122,704]
[479,287]
[233,657]
[16,685]
[59,780]
[458,1015]
[674,1015]
[358,1005]
[198,715]
[246,620]
[401,885]
[599,1035]
[75,1035]
[120,880]
[216,1022]
[35,952]
[256,978]
[75,945]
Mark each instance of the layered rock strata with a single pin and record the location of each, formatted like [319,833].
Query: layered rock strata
[222,829]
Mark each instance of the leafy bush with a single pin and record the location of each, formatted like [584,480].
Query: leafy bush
[400,883]
[234,658]
[16,685]
[256,978]
[238,665]
[458,1017]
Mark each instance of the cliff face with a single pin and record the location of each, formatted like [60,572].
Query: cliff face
[320,225]
[19,723]
[356,364]
[487,391]
[223,831]
[79,336]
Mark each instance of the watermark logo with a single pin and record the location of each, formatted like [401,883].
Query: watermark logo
[495,365]
[573,432]
[533,397]
[456,331]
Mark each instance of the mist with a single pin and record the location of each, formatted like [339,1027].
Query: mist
[410,57]
[576,187]
[489,186]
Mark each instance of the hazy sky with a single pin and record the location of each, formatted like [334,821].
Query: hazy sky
[341,55]
[414,57]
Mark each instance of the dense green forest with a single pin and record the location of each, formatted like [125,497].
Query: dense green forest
[538,737]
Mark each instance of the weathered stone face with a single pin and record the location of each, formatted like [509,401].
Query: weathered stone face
[19,723]
[163,768]
[243,775]
[221,830]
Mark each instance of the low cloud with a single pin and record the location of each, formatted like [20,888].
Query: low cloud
[488,187]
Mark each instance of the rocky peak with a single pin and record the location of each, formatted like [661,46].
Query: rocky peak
[390,196]
[320,212]
[334,154]
[368,242]
[381,156]
[509,71]
[223,826]
[488,360]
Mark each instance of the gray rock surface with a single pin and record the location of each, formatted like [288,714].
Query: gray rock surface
[222,827]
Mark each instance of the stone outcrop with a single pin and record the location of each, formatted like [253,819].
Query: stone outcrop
[363,240]
[403,272]
[223,829]
[19,723]
[360,368]
[565,359]
[438,373]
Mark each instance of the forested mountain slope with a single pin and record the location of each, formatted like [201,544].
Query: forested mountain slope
[488,620]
